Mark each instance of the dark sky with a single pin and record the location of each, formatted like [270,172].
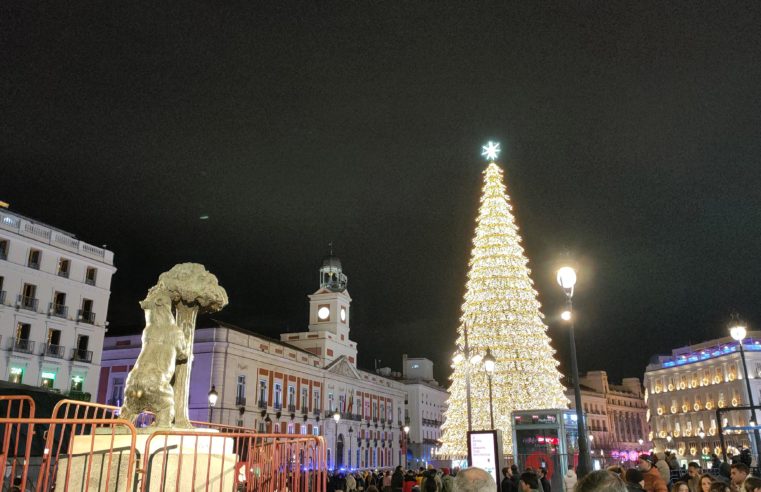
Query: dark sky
[631,137]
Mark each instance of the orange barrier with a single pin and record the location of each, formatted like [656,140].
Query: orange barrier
[85,446]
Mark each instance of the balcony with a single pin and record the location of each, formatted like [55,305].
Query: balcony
[22,345]
[86,317]
[2,297]
[52,350]
[240,401]
[3,255]
[90,281]
[33,264]
[278,405]
[81,355]
[316,412]
[27,302]
[292,408]
[304,410]
[262,404]
[63,273]
[58,310]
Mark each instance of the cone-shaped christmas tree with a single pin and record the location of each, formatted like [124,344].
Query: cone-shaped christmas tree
[500,313]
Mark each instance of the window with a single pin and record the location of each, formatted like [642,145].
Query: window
[291,398]
[58,307]
[117,392]
[22,331]
[53,347]
[28,297]
[315,430]
[90,275]
[63,267]
[304,399]
[240,391]
[261,427]
[330,402]
[4,249]
[262,393]
[33,261]
[47,379]
[80,352]
[316,399]
[77,383]
[278,395]
[16,375]
[86,314]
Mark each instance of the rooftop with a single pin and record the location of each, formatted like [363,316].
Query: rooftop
[704,351]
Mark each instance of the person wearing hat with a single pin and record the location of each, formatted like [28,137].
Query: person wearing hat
[653,480]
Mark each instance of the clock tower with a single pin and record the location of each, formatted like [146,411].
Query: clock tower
[329,308]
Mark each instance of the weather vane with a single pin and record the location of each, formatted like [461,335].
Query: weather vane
[491,150]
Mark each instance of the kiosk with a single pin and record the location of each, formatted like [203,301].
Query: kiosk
[546,439]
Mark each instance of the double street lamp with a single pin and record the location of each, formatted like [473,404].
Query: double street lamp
[738,331]
[566,277]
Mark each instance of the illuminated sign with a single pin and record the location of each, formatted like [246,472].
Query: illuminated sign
[484,451]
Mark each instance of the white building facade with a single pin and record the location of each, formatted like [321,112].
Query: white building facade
[616,417]
[684,390]
[54,294]
[426,403]
[295,385]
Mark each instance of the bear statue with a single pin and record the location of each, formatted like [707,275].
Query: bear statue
[149,383]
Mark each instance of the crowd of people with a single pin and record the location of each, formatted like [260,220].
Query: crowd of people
[652,474]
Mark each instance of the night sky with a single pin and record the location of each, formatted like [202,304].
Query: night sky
[631,137]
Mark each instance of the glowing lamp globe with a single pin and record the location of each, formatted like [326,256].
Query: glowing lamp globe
[489,362]
[476,359]
[336,417]
[738,331]
[213,395]
[567,277]
[565,315]
[406,429]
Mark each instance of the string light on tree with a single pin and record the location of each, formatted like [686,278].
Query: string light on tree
[502,314]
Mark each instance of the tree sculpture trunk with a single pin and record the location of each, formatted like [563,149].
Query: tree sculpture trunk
[186,319]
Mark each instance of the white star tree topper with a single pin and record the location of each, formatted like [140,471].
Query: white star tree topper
[491,150]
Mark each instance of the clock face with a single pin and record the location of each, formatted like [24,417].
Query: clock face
[323,313]
[343,314]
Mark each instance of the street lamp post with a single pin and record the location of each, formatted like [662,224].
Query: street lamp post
[738,331]
[337,418]
[351,431]
[489,365]
[467,377]
[406,430]
[213,395]
[566,277]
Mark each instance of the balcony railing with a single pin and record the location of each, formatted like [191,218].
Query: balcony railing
[81,355]
[86,317]
[3,255]
[90,281]
[33,264]
[52,350]
[278,405]
[262,404]
[304,410]
[58,310]
[23,345]
[240,401]
[316,412]
[292,408]
[27,302]
[2,297]
[63,273]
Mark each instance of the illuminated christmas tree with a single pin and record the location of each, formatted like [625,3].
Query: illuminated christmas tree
[500,313]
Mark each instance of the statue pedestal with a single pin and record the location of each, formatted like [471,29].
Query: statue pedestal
[176,463]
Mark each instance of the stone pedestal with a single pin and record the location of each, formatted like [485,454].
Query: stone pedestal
[175,463]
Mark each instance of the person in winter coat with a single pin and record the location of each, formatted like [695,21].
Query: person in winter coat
[653,480]
[663,468]
[634,480]
[569,480]
[447,482]
[397,480]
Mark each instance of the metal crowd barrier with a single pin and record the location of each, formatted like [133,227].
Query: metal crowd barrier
[85,446]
